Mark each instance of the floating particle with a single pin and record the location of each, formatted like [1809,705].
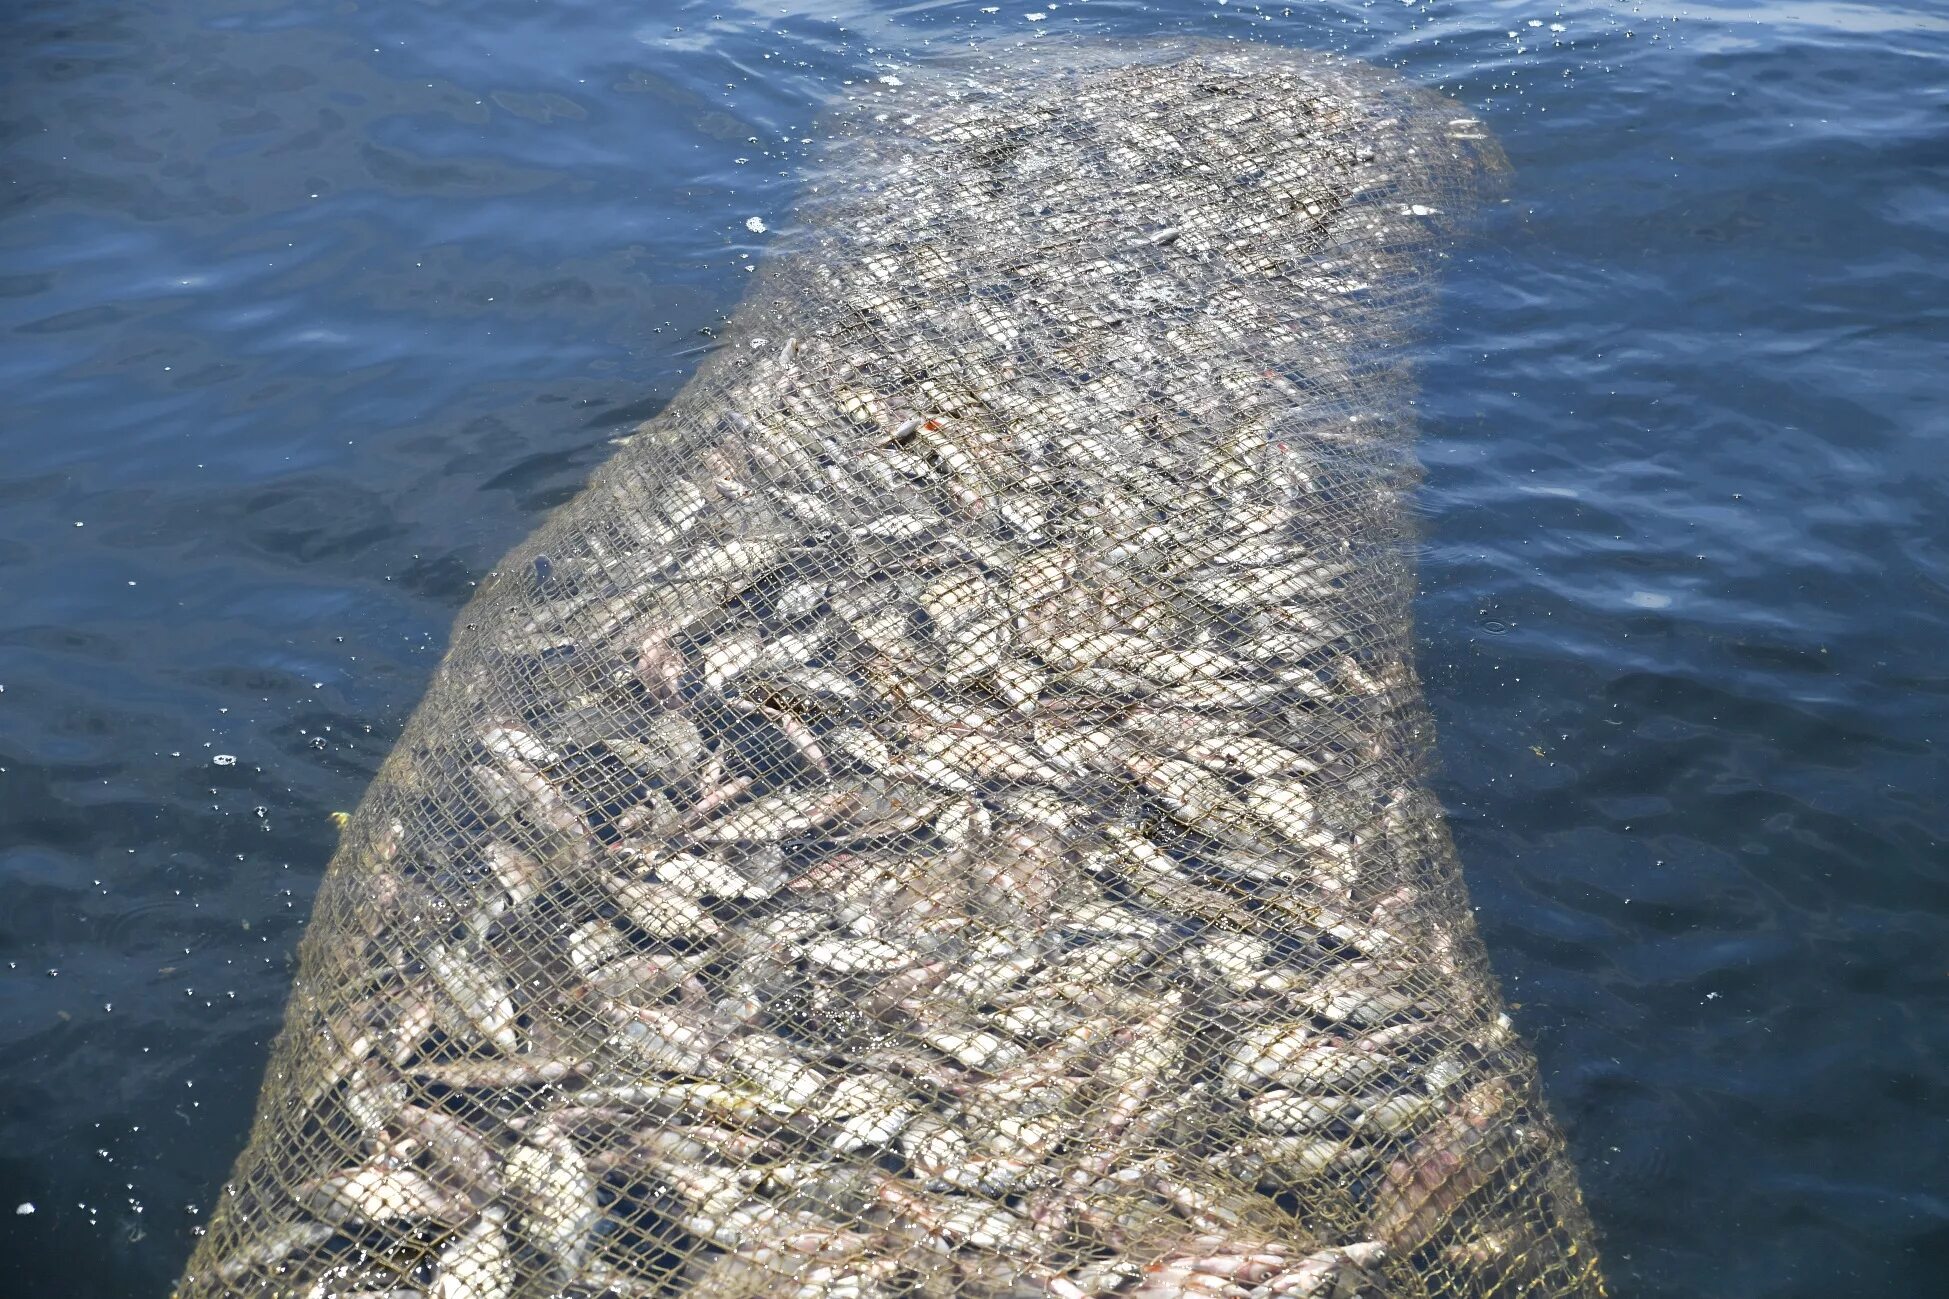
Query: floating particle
[225,759]
[755,225]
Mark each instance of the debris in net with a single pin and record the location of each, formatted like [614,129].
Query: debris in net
[950,819]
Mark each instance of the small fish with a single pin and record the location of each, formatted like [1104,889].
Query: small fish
[668,1040]
[496,1075]
[377,1192]
[478,993]
[270,1247]
[1284,1111]
[462,1153]
[776,817]
[1419,1192]
[551,1176]
[478,1263]
[661,909]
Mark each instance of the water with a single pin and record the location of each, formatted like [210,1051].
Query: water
[312,310]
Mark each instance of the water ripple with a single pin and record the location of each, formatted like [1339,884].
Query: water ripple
[311,310]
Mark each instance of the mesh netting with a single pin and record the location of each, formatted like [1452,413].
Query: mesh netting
[944,812]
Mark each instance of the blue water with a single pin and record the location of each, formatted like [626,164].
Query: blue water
[311,310]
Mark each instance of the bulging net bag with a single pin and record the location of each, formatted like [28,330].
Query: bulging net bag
[943,813]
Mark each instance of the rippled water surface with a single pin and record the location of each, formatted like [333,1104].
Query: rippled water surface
[311,310]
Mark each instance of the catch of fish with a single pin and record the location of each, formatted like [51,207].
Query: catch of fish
[943,813]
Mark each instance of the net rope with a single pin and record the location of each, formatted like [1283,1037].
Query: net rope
[945,811]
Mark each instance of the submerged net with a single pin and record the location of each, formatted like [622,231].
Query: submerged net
[944,812]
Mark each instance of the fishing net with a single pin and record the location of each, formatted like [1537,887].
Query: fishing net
[944,812]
